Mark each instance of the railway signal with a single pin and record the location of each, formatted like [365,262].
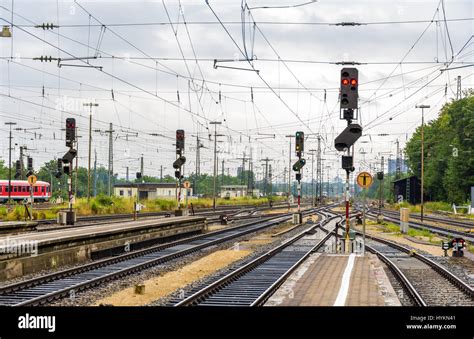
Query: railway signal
[70,132]
[30,166]
[179,141]
[18,169]
[68,217]
[364,180]
[298,165]
[31,181]
[177,165]
[348,137]
[348,163]
[70,140]
[59,169]
[349,88]
[179,162]
[349,101]
[299,144]
[457,244]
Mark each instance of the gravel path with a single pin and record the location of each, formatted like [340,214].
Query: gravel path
[92,296]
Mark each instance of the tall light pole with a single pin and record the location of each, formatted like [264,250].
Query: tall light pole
[422,152]
[215,123]
[9,123]
[289,165]
[312,176]
[90,104]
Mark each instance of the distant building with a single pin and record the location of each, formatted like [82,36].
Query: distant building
[392,166]
[409,189]
[150,190]
[233,191]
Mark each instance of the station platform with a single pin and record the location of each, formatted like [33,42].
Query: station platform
[31,252]
[337,280]
[8,227]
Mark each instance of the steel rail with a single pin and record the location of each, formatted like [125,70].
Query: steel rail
[240,272]
[7,293]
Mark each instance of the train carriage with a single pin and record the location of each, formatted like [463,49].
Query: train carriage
[20,189]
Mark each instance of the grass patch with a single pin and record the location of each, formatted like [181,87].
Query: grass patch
[391,228]
[429,206]
[3,212]
[103,204]
[386,227]
[423,234]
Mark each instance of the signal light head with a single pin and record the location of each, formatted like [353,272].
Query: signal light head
[299,164]
[349,86]
[179,162]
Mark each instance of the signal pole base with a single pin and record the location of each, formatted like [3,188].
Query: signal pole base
[297,218]
[67,217]
[348,240]
[181,212]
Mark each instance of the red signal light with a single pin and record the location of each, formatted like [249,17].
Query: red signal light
[353,82]
[345,82]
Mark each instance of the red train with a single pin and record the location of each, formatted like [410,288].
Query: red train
[21,190]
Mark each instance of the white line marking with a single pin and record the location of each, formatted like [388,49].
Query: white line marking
[346,278]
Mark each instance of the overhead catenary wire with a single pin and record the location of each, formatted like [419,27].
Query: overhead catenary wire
[265,89]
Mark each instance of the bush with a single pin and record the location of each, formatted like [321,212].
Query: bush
[17,214]
[3,212]
[104,200]
[94,207]
[438,206]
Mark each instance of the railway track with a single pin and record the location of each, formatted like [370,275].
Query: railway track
[213,216]
[419,275]
[254,282]
[427,282]
[446,221]
[442,231]
[57,285]
[201,211]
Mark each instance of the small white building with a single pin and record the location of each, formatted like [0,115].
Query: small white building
[233,191]
[160,190]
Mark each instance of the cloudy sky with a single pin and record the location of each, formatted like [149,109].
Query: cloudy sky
[150,67]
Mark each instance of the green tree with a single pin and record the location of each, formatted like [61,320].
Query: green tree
[4,170]
[448,158]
